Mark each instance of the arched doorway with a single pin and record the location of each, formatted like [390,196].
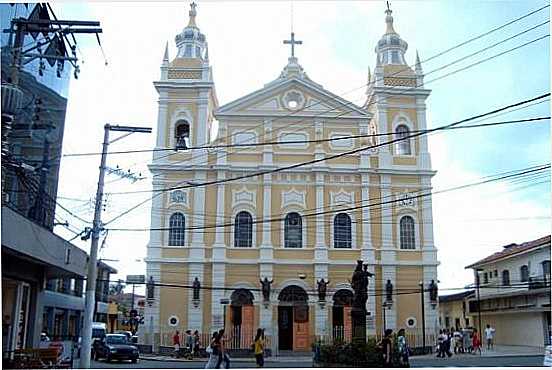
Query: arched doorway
[341,315]
[293,319]
[242,314]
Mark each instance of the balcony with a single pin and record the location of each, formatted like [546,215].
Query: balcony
[539,282]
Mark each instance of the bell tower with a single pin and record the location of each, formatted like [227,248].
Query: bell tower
[187,97]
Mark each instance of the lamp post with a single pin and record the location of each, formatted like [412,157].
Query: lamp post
[224,302]
[477,283]
[421,283]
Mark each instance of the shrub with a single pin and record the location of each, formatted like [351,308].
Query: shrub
[348,354]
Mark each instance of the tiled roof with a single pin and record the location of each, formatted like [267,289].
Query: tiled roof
[512,249]
[456,296]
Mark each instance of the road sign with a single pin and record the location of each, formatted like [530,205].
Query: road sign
[135,279]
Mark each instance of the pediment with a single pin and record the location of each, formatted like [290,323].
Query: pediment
[293,96]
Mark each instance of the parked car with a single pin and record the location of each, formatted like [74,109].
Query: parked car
[115,347]
[548,356]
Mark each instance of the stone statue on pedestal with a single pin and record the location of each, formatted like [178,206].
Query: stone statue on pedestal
[265,284]
[322,285]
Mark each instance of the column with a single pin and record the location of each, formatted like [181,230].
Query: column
[388,249]
[431,312]
[195,313]
[425,157]
[367,254]
[198,243]
[218,258]
[152,310]
[266,260]
[322,326]
[200,127]
[162,124]
[384,155]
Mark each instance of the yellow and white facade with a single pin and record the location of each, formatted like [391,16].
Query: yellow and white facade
[212,232]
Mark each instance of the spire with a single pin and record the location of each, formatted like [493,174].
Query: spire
[166,55]
[369,80]
[389,20]
[418,64]
[192,13]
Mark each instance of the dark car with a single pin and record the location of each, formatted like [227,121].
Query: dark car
[115,347]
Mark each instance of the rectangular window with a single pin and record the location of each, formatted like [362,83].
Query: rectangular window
[198,52]
[485,278]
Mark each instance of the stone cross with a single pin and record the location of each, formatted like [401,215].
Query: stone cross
[293,42]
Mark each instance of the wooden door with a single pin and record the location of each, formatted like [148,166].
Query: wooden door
[247,334]
[301,328]
[285,328]
[347,324]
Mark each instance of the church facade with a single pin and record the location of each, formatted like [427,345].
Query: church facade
[255,233]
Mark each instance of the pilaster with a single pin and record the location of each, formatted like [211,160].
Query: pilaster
[197,247]
[162,124]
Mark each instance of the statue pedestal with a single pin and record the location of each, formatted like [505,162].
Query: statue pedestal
[358,316]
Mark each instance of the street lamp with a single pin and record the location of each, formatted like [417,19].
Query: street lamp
[421,284]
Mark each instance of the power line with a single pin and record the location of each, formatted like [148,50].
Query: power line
[286,142]
[279,219]
[405,69]
[333,156]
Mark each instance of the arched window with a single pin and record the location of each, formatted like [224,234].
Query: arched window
[403,144]
[524,273]
[342,231]
[293,231]
[407,238]
[176,229]
[505,277]
[182,135]
[243,230]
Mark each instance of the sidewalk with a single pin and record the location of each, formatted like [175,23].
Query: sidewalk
[251,359]
[499,351]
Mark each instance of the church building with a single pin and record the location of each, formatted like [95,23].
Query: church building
[268,219]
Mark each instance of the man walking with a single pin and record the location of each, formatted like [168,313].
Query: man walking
[176,343]
[489,336]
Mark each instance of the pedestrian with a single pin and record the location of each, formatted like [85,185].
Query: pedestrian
[197,344]
[214,352]
[403,350]
[458,342]
[189,341]
[440,344]
[447,342]
[489,336]
[467,337]
[259,347]
[476,342]
[223,355]
[386,345]
[176,343]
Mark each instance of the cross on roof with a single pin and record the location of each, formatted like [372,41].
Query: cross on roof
[293,42]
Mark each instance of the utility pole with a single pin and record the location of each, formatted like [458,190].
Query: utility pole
[95,237]
[423,317]
[478,305]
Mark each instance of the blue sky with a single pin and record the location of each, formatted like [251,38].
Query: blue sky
[246,51]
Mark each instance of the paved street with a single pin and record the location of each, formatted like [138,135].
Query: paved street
[506,361]
[518,361]
[148,364]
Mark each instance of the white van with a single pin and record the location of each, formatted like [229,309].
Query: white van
[99,330]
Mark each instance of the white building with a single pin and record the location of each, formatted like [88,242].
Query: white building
[514,293]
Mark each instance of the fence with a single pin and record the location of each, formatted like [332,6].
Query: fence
[237,338]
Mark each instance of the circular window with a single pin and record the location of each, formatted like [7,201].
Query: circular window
[293,100]
[411,322]
[173,320]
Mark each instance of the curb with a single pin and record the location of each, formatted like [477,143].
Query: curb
[493,356]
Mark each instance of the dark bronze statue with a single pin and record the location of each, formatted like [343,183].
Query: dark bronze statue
[322,285]
[150,287]
[265,284]
[196,286]
[433,291]
[389,291]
